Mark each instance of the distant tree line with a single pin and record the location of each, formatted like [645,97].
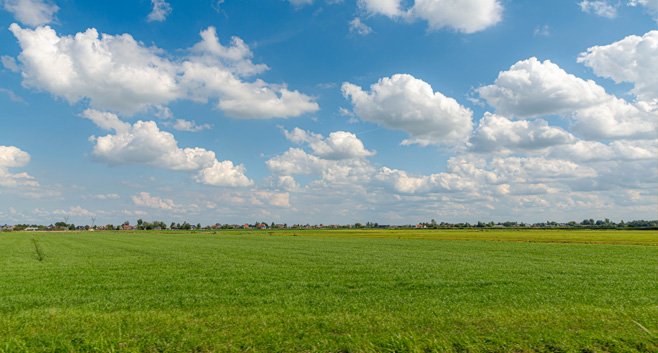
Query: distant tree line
[433,224]
[584,224]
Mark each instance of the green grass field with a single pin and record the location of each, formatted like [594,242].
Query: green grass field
[330,291]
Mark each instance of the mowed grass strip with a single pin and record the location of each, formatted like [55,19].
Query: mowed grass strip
[256,292]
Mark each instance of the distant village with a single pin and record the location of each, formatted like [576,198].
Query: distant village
[160,226]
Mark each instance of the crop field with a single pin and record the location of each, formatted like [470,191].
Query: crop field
[330,291]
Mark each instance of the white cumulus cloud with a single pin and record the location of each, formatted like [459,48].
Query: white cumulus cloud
[467,16]
[632,59]
[114,72]
[120,74]
[32,12]
[14,157]
[296,161]
[497,133]
[338,145]
[532,88]
[144,143]
[403,102]
[224,173]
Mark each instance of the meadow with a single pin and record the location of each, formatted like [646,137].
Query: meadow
[330,291]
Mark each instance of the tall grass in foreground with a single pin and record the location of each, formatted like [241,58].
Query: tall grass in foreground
[356,292]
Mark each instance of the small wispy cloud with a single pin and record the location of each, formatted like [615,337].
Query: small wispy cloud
[189,126]
[13,96]
[9,63]
[599,7]
[542,31]
[161,9]
[360,28]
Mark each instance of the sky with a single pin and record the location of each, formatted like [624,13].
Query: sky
[328,111]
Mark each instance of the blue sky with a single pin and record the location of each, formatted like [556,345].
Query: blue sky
[328,111]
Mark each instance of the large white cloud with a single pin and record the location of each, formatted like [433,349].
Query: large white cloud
[466,16]
[32,12]
[632,59]
[497,133]
[402,102]
[144,143]
[224,173]
[340,158]
[469,175]
[14,157]
[615,119]
[237,56]
[594,151]
[531,88]
[114,72]
[120,74]
[525,169]
[482,178]
[248,100]
[296,161]
[339,144]
[402,182]
[563,174]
